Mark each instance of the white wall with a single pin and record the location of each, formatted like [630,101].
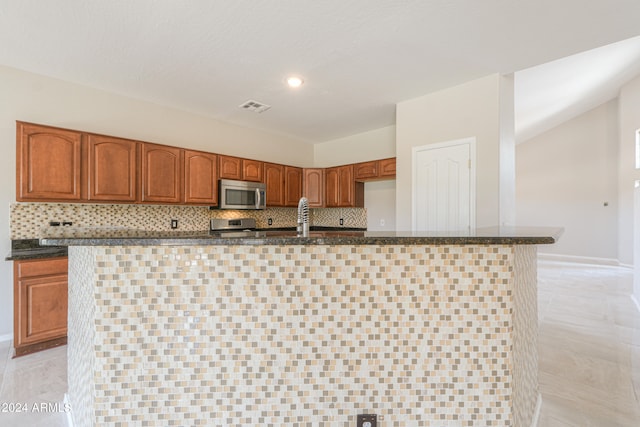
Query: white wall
[38,99]
[565,176]
[361,147]
[636,246]
[472,109]
[629,111]
[380,202]
[507,151]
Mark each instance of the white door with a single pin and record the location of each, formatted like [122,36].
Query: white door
[444,186]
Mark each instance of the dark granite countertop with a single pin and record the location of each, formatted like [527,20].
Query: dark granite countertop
[124,237]
[24,249]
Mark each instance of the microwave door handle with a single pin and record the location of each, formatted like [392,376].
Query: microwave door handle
[258,198]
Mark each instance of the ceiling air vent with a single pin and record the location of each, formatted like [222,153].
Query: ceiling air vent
[255,106]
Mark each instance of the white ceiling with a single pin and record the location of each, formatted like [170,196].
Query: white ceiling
[358,57]
[552,93]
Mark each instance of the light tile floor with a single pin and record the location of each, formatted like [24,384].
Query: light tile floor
[589,346]
[589,355]
[33,379]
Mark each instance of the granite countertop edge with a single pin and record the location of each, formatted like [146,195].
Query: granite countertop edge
[26,249]
[484,236]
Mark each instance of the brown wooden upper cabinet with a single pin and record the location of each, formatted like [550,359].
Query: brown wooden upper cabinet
[341,190]
[292,185]
[112,169]
[284,184]
[274,180]
[313,190]
[56,164]
[252,170]
[200,178]
[230,167]
[375,170]
[365,170]
[48,163]
[387,168]
[240,169]
[161,173]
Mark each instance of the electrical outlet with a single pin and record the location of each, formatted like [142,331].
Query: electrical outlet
[174,224]
[367,420]
[382,223]
[270,221]
[341,221]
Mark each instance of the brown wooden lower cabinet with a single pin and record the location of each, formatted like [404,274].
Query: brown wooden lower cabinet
[39,304]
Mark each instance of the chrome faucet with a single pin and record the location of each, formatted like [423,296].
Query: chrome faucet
[303,217]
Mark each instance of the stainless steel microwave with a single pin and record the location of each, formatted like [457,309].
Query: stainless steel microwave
[241,194]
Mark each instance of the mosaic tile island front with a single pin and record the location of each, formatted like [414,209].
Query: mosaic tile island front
[303,335]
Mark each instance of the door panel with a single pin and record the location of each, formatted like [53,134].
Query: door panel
[200,178]
[112,168]
[48,161]
[161,173]
[443,188]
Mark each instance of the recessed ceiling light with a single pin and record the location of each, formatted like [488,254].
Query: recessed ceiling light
[294,81]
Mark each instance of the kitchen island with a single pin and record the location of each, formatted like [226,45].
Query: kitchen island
[265,328]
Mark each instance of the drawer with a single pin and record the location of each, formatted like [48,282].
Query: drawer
[41,267]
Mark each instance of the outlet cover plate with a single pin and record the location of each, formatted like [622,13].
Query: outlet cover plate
[367,420]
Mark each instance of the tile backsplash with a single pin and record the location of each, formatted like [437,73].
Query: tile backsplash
[28,219]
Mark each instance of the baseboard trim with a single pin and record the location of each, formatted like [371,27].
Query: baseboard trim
[579,259]
[636,302]
[7,337]
[67,403]
[536,414]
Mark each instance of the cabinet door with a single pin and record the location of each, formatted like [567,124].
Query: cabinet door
[341,189]
[49,163]
[252,170]
[387,167]
[314,187]
[161,173]
[332,187]
[40,301]
[293,185]
[365,170]
[346,186]
[200,178]
[274,180]
[112,169]
[230,167]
